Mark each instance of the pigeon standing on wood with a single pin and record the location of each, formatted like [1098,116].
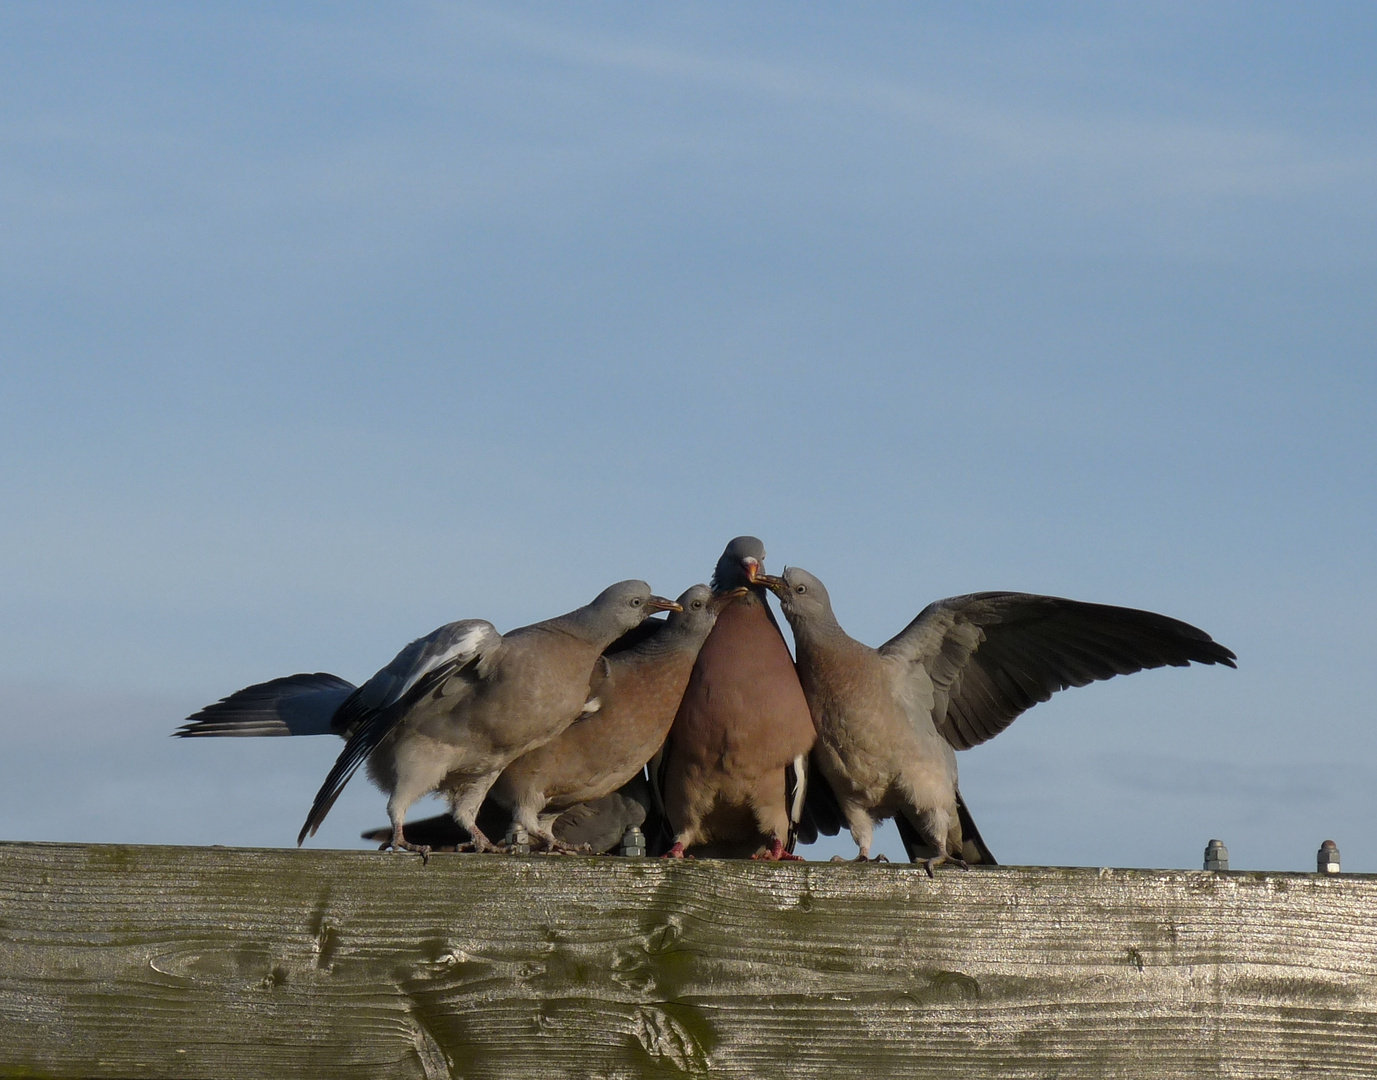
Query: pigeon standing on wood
[733,773]
[890,719]
[639,689]
[451,711]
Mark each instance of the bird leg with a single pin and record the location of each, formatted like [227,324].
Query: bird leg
[559,847]
[776,853]
[862,827]
[685,838]
[943,857]
[464,804]
[396,812]
[552,845]
[541,831]
[478,840]
[400,843]
[933,827]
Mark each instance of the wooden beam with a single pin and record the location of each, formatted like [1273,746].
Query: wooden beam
[120,961]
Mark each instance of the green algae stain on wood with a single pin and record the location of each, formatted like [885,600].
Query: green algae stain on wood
[121,960]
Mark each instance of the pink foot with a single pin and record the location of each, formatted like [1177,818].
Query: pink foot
[676,852]
[776,853]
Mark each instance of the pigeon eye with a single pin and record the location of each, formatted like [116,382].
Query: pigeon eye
[636,602]
[800,589]
[697,604]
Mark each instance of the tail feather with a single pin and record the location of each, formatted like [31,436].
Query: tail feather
[294,705]
[974,849]
[972,846]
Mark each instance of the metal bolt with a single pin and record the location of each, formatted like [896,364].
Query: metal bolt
[517,840]
[1327,858]
[633,842]
[1216,855]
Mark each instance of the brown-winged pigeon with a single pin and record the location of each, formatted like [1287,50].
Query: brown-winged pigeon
[733,772]
[890,719]
[450,712]
[639,689]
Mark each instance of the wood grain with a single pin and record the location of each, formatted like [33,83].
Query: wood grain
[123,961]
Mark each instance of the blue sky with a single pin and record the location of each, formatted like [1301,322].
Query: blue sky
[323,325]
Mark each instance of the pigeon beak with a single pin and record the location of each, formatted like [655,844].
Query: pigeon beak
[774,584]
[659,603]
[723,599]
[752,568]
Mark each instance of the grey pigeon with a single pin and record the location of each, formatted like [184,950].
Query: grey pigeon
[557,790]
[639,689]
[890,719]
[734,769]
[450,712]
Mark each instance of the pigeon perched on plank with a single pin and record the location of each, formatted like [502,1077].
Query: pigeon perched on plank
[890,719]
[733,772]
[639,689]
[450,712]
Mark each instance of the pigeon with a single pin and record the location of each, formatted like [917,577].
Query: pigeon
[733,773]
[889,720]
[639,689]
[450,712]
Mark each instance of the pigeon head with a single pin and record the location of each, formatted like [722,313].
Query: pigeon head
[625,605]
[801,596]
[741,564]
[701,607]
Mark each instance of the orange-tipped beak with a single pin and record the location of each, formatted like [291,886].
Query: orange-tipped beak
[659,603]
[752,569]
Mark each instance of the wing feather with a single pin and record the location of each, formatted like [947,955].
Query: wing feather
[381,703]
[992,656]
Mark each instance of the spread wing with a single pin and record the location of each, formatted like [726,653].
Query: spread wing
[989,656]
[375,708]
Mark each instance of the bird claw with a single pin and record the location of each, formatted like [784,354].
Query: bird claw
[477,841]
[399,842]
[776,853]
[558,847]
[938,860]
[403,845]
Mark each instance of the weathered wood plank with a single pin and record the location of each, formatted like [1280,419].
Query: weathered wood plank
[159,961]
